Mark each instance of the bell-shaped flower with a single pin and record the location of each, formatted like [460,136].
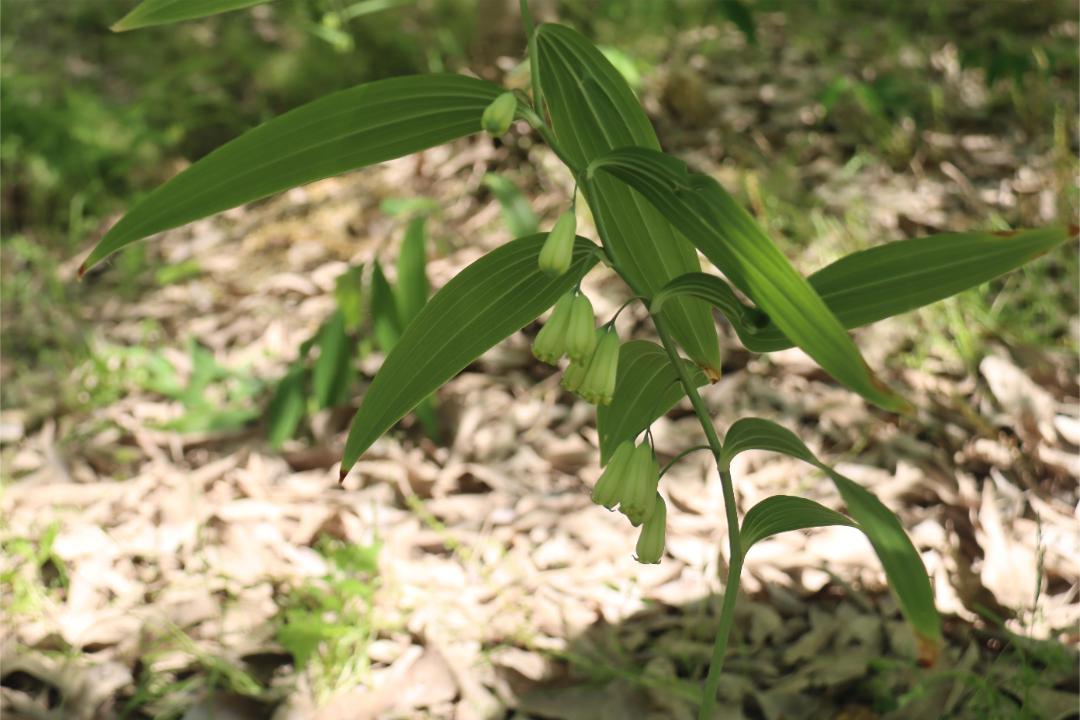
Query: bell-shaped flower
[572,376]
[639,494]
[581,331]
[609,488]
[650,544]
[558,250]
[550,343]
[499,115]
[598,385]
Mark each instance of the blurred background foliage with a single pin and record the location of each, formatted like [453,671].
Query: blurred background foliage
[93,119]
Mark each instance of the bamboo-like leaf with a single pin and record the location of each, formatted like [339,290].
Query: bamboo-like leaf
[495,296]
[593,111]
[732,240]
[903,566]
[412,282]
[385,314]
[745,319]
[349,295]
[333,371]
[882,281]
[517,213]
[286,407]
[783,513]
[343,131]
[898,277]
[646,387]
[163,12]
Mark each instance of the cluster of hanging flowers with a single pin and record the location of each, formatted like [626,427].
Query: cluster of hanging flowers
[631,478]
[630,482]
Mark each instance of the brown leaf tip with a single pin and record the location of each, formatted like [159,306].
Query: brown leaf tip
[1073,230]
[928,650]
[82,271]
[342,474]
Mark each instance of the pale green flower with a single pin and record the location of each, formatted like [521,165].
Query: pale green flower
[650,544]
[581,332]
[598,385]
[639,493]
[609,488]
[558,250]
[550,343]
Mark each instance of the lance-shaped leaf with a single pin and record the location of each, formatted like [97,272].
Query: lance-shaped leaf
[286,408]
[593,111]
[903,566]
[333,372]
[646,387]
[486,302]
[900,276]
[732,240]
[162,12]
[517,213]
[783,513]
[386,322]
[882,281]
[343,131]
[412,282]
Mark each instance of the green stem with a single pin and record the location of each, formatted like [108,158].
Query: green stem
[731,587]
[681,455]
[727,610]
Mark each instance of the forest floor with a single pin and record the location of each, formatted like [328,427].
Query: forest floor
[161,559]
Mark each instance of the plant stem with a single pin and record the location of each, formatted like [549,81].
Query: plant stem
[731,587]
[727,610]
[681,455]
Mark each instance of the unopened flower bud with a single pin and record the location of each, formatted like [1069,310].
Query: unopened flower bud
[581,331]
[550,343]
[558,250]
[639,494]
[499,115]
[650,544]
[598,386]
[609,488]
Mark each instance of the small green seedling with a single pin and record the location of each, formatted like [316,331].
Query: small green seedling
[653,215]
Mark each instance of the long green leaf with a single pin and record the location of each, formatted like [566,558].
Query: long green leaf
[286,407]
[717,292]
[903,566]
[385,314]
[343,131]
[646,387]
[333,371]
[592,112]
[486,302]
[733,241]
[412,282]
[517,213]
[897,277]
[783,513]
[880,282]
[162,12]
